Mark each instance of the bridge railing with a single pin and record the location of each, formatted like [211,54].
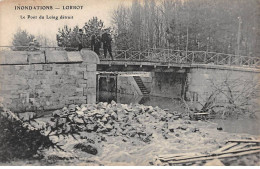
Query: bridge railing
[183,57]
[167,56]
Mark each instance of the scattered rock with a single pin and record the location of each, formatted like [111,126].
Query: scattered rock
[194,130]
[86,148]
[219,128]
[182,127]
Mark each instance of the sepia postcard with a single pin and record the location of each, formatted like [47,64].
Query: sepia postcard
[129,83]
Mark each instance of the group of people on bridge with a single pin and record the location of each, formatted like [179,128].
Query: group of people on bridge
[97,41]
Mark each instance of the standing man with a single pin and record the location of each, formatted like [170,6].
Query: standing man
[95,43]
[106,39]
[79,39]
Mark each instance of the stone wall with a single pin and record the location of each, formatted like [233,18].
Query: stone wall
[38,80]
[203,82]
[168,84]
[126,85]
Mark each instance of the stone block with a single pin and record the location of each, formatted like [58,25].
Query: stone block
[18,67]
[40,72]
[38,67]
[56,56]
[90,90]
[87,74]
[47,67]
[91,67]
[91,82]
[79,89]
[91,99]
[13,57]
[82,85]
[73,73]
[74,57]
[89,56]
[36,57]
[68,102]
[80,69]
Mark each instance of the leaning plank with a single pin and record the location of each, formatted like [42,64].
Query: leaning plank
[215,154]
[171,156]
[213,157]
[241,146]
[226,147]
[244,141]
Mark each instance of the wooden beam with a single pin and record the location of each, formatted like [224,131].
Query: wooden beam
[244,141]
[214,154]
[211,158]
[226,147]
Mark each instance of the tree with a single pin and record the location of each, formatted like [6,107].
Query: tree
[94,26]
[66,36]
[203,25]
[21,40]
[44,41]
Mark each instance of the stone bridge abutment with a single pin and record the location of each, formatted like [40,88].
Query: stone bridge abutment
[47,80]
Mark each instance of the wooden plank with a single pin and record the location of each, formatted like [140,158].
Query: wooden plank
[215,154]
[171,156]
[201,113]
[211,158]
[244,141]
[226,147]
[241,146]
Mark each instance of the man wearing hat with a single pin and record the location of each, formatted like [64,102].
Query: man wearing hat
[79,39]
[106,39]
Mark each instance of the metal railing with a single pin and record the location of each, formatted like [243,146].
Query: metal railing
[183,57]
[165,56]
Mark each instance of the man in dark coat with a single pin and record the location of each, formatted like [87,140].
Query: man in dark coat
[106,39]
[95,43]
[79,39]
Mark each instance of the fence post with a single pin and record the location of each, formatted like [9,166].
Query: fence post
[165,56]
[205,55]
[192,58]
[178,54]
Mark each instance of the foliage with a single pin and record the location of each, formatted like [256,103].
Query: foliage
[18,140]
[206,25]
[66,36]
[22,38]
[22,137]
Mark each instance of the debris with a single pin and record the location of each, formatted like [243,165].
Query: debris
[229,151]
[86,148]
[219,128]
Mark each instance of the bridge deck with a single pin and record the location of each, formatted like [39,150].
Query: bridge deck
[138,65]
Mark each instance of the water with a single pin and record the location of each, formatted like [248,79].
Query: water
[162,102]
[240,125]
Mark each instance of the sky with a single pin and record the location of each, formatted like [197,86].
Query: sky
[10,19]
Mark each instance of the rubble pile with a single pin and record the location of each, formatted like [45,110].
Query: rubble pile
[113,119]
